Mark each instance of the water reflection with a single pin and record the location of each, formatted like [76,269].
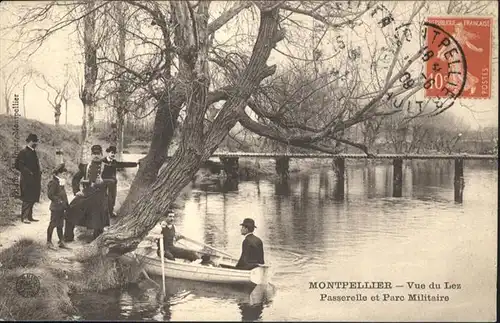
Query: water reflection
[99,306]
[282,188]
[309,235]
[218,185]
[139,301]
[295,215]
[250,312]
[260,297]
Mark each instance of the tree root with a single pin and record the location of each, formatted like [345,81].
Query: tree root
[144,271]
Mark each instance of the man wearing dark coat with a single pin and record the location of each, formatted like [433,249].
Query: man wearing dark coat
[89,208]
[56,193]
[252,253]
[31,178]
[109,172]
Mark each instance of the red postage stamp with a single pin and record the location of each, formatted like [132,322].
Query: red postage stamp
[474,36]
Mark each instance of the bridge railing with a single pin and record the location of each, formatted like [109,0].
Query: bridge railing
[230,163]
[358,156]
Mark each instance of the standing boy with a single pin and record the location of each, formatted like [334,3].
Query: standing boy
[58,205]
[109,172]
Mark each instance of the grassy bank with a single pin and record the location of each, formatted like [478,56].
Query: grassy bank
[50,138]
[52,302]
[58,281]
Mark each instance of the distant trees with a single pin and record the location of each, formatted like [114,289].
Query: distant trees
[55,94]
[437,134]
[10,82]
[181,65]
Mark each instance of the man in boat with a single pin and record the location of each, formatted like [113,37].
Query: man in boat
[169,236]
[109,172]
[252,252]
[89,208]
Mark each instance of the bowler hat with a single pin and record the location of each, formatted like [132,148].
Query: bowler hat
[59,169]
[32,137]
[111,149]
[248,223]
[96,149]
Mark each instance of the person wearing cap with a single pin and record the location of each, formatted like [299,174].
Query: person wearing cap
[169,236]
[109,172]
[56,193]
[252,250]
[31,178]
[89,208]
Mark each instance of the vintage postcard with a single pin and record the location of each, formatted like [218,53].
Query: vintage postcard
[249,160]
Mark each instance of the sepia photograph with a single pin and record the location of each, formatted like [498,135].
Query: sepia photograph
[249,160]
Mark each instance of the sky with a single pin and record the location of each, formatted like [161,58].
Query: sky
[60,54]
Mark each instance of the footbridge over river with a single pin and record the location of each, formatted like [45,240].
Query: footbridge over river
[230,164]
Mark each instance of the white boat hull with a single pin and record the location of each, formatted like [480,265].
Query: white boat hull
[185,270]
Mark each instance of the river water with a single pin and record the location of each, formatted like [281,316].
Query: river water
[423,237]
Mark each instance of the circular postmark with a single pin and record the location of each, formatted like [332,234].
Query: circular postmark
[28,285]
[442,72]
[446,64]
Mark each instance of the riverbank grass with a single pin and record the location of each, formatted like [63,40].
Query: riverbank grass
[52,301]
[101,273]
[58,280]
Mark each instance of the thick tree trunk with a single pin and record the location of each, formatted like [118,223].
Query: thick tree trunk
[66,111]
[90,78]
[122,95]
[7,106]
[163,133]
[57,114]
[113,136]
[129,231]
[120,122]
[83,136]
[87,131]
[126,234]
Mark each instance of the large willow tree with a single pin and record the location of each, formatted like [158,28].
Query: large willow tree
[191,51]
[181,63]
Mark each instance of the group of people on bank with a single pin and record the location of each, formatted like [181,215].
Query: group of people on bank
[94,186]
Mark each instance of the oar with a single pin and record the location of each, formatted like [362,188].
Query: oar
[210,247]
[162,264]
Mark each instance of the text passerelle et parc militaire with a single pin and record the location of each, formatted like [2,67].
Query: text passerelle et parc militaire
[389,292]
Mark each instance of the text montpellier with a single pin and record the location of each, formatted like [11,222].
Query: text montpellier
[350,285]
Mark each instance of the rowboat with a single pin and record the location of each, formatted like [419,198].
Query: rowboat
[221,269]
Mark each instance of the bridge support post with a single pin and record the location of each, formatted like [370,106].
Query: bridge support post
[230,165]
[397,177]
[339,182]
[459,182]
[282,167]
